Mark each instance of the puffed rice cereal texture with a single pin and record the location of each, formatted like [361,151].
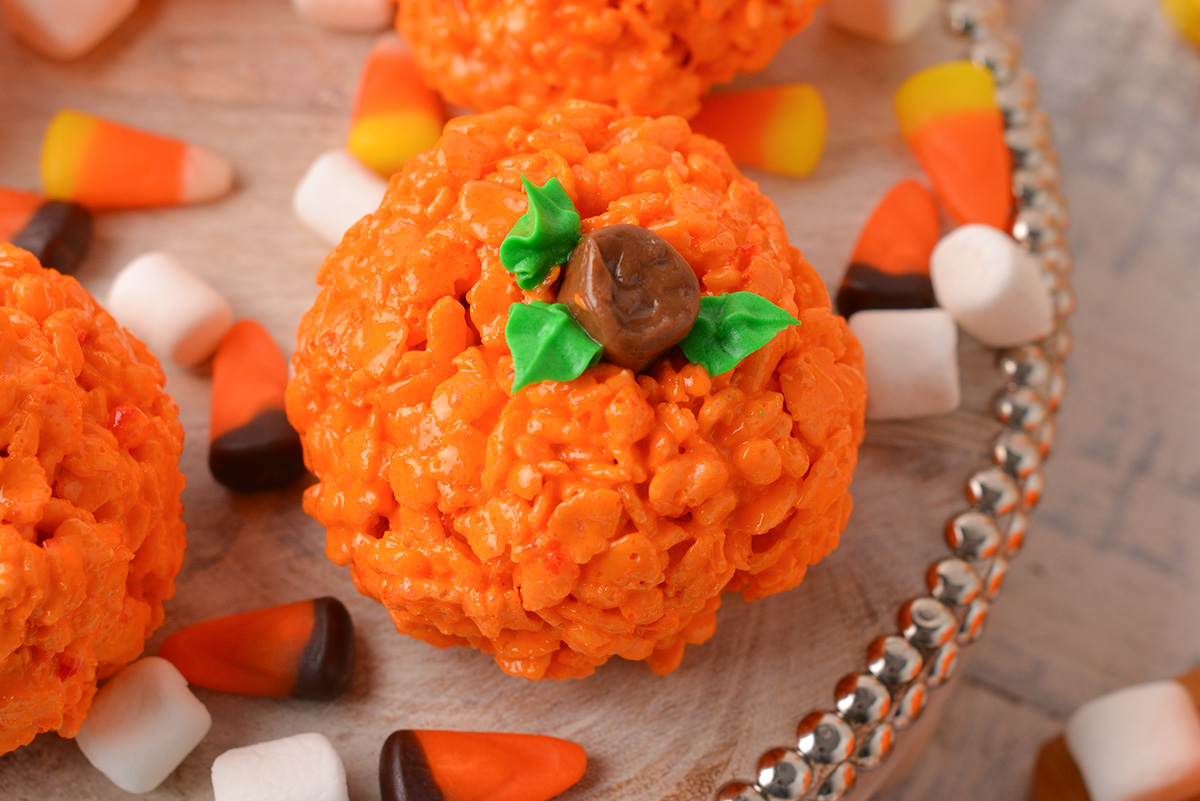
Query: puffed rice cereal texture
[91,533]
[657,57]
[570,522]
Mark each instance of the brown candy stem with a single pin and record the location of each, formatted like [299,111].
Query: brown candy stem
[632,292]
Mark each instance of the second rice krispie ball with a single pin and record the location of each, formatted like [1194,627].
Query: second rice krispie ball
[650,58]
[91,527]
[570,521]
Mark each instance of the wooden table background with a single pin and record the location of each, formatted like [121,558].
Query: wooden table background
[1106,592]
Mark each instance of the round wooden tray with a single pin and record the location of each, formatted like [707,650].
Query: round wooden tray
[253,82]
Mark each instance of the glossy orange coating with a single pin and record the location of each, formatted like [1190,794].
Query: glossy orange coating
[91,533]
[657,57]
[570,522]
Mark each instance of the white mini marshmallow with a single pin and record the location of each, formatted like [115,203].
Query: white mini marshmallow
[65,29]
[1141,743]
[910,358]
[178,314]
[142,724]
[881,20]
[335,193]
[305,767]
[351,16]
[990,286]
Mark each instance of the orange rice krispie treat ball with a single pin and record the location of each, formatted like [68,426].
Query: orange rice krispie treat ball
[568,522]
[91,533]
[653,58]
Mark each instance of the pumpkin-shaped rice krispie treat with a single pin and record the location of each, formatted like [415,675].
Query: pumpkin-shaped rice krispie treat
[91,533]
[525,448]
[651,58]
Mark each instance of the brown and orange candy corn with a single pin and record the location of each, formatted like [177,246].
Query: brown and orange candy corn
[477,766]
[251,444]
[890,265]
[949,117]
[56,232]
[303,650]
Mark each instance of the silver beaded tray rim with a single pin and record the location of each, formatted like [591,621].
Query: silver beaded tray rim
[870,708]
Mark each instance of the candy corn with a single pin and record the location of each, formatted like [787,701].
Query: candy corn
[16,207]
[780,129]
[56,232]
[477,766]
[1185,14]
[949,117]
[890,265]
[65,29]
[252,446]
[395,114]
[303,650]
[103,164]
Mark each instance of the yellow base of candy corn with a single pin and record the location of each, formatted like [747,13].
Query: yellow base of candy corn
[1186,16]
[795,138]
[385,141]
[949,88]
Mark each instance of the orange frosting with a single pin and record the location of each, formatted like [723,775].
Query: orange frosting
[91,534]
[570,522]
[648,57]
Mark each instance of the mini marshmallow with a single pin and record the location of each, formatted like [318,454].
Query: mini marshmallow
[881,20]
[304,767]
[142,724]
[910,358]
[179,315]
[990,286]
[336,192]
[1141,743]
[65,29]
[350,16]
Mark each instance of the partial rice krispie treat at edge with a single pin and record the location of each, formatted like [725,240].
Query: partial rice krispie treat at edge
[645,57]
[568,522]
[91,533]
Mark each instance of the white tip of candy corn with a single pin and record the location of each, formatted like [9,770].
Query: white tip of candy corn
[1141,743]
[881,20]
[142,724]
[335,193]
[175,312]
[990,286]
[350,16]
[304,767]
[65,29]
[206,176]
[910,358]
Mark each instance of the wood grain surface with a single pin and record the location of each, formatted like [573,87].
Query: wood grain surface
[1100,599]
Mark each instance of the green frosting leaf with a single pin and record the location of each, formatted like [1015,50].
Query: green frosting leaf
[544,236]
[547,344]
[731,327]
